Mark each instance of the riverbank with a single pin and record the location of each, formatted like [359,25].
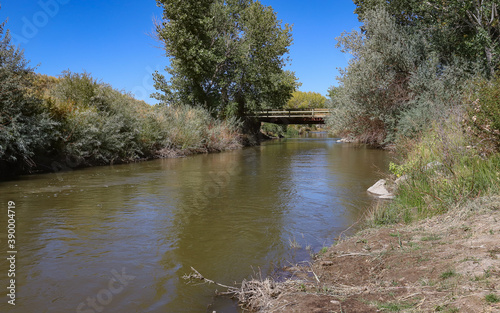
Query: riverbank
[435,247]
[447,263]
[75,121]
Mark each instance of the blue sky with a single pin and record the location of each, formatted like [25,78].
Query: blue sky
[109,39]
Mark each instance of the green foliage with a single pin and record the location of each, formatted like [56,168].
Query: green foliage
[468,29]
[395,84]
[306,100]
[99,125]
[25,127]
[99,138]
[226,56]
[492,298]
[484,116]
[280,131]
[400,169]
[274,130]
[443,170]
[447,274]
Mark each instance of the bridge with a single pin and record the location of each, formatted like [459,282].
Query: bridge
[292,116]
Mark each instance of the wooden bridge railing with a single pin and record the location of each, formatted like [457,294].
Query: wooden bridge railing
[289,113]
[292,116]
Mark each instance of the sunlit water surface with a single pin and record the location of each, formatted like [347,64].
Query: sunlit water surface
[120,238]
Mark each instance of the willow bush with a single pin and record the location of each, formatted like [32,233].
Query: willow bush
[26,128]
[395,84]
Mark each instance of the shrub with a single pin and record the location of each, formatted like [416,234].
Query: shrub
[99,125]
[75,116]
[26,129]
[442,171]
[98,138]
[484,115]
[274,130]
[194,129]
[102,125]
[395,84]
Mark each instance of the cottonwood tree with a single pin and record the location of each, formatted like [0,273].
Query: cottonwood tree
[226,56]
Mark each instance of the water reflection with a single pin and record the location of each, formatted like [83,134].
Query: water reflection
[223,214]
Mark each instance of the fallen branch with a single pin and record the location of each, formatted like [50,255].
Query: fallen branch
[253,294]
[195,275]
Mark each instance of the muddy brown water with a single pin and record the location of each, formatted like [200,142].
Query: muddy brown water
[120,238]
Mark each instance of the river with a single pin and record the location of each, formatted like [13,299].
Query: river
[120,238]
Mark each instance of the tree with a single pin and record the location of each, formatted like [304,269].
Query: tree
[306,100]
[226,56]
[394,85]
[469,29]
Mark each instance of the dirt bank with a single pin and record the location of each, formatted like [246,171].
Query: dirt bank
[448,263]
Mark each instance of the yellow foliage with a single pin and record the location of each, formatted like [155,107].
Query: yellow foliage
[306,100]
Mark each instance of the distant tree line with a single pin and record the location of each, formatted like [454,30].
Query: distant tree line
[306,100]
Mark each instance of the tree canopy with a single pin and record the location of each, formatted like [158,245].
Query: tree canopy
[397,83]
[466,28]
[306,100]
[226,56]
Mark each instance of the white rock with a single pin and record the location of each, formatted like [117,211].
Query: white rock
[379,188]
[388,196]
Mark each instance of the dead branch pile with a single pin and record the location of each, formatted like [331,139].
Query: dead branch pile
[254,295]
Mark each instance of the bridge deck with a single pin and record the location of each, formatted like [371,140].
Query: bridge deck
[293,116]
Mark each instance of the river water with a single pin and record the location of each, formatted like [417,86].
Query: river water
[120,238]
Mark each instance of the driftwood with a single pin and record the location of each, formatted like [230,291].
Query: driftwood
[253,294]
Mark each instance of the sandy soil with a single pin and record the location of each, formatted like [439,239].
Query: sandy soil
[447,263]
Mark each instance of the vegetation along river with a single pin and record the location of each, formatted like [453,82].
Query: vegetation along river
[120,238]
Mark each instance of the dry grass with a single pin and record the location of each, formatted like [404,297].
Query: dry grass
[401,269]
[254,295]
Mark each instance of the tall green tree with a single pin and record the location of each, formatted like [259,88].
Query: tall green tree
[226,56]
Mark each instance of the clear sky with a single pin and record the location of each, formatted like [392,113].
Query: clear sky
[109,39]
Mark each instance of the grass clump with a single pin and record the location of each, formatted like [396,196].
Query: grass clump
[394,307]
[441,170]
[448,274]
[430,238]
[492,298]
